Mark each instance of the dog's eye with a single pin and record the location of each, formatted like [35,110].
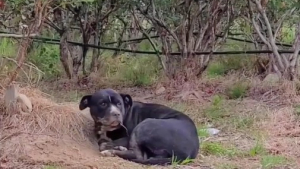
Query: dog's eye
[103,104]
[119,104]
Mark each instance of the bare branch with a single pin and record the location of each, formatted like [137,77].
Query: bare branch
[53,25]
[17,35]
[150,40]
[160,23]
[287,13]
[256,27]
[271,36]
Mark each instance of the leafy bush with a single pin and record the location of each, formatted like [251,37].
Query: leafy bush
[46,58]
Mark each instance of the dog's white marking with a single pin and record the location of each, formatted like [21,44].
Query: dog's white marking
[109,98]
[114,109]
[107,153]
[121,148]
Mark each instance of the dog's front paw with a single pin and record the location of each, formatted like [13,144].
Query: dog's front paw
[121,148]
[107,153]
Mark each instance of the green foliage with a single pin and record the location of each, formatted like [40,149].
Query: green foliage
[297,110]
[130,70]
[243,122]
[140,72]
[202,132]
[287,34]
[227,166]
[216,69]
[145,45]
[8,47]
[184,162]
[215,111]
[237,90]
[222,65]
[271,161]
[51,167]
[214,148]
[46,58]
[258,149]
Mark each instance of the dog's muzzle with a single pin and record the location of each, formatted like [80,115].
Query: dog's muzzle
[115,116]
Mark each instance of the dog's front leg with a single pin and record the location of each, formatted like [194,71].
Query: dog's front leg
[128,154]
[121,144]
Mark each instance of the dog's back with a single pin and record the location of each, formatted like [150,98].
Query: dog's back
[141,111]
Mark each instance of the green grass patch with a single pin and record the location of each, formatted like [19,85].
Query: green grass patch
[271,161]
[257,149]
[297,110]
[214,148]
[227,166]
[52,167]
[202,132]
[237,90]
[215,111]
[135,71]
[216,69]
[184,162]
[243,122]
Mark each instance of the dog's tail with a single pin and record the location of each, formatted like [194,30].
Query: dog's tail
[153,161]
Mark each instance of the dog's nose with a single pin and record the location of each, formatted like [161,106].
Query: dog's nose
[116,114]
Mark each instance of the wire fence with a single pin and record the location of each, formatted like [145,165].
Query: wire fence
[57,42]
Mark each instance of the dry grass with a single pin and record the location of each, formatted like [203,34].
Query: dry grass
[283,133]
[49,123]
[252,128]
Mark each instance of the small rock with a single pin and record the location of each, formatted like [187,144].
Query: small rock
[160,90]
[271,78]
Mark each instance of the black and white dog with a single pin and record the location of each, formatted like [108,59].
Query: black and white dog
[154,134]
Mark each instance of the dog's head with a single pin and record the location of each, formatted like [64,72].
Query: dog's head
[107,107]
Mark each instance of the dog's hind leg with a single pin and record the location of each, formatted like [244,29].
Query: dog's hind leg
[134,151]
[133,144]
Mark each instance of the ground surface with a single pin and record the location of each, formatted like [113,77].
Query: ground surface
[254,134]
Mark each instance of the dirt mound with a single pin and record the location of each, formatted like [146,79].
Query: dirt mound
[52,134]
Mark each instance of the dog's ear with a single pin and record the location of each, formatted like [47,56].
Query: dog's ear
[85,102]
[127,100]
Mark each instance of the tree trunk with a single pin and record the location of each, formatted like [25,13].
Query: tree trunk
[76,58]
[96,52]
[64,53]
[293,66]
[133,33]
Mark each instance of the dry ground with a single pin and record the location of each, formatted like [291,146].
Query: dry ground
[254,133]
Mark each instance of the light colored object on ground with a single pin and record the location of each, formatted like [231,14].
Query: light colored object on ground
[12,97]
[24,99]
[271,78]
[212,131]
[160,90]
